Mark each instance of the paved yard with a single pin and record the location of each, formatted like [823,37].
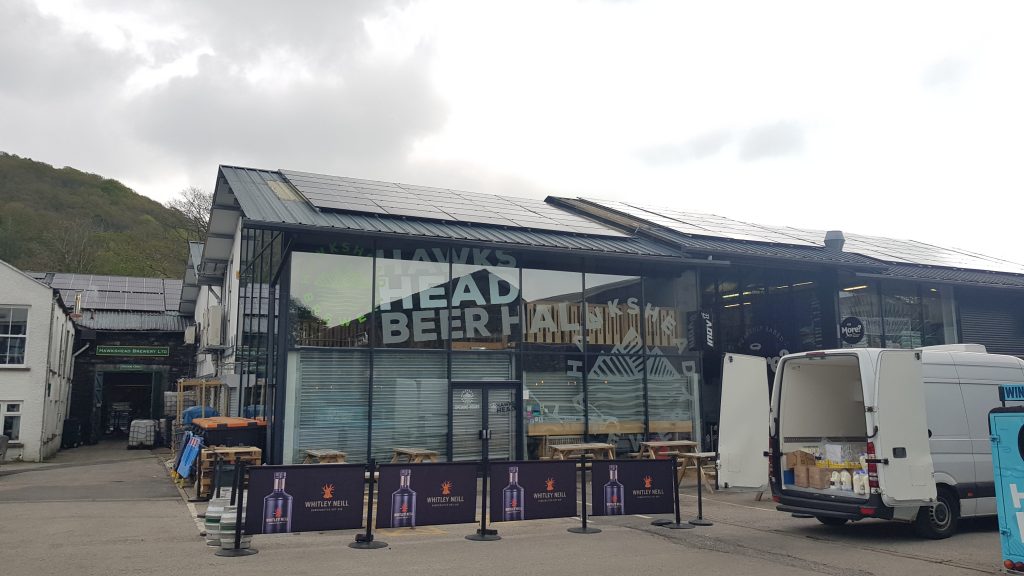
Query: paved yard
[104,510]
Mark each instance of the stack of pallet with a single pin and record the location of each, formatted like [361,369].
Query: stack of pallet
[228,456]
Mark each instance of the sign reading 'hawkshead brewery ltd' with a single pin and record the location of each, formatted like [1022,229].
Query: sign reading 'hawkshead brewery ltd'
[310,498]
[410,495]
[532,490]
[631,487]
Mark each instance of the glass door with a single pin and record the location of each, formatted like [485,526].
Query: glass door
[483,406]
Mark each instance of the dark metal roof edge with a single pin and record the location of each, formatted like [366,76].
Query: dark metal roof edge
[282,226]
[661,234]
[949,281]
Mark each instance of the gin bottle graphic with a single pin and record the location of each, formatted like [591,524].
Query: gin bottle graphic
[277,508]
[512,496]
[403,503]
[613,505]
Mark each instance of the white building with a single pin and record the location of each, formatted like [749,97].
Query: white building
[36,349]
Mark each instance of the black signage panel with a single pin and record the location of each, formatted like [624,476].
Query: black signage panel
[851,330]
[631,487]
[700,331]
[532,490]
[410,495]
[310,498]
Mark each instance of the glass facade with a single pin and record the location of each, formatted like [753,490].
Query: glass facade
[387,345]
[893,314]
[365,344]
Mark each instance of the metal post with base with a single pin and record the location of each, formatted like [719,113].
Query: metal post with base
[699,520]
[366,541]
[238,550]
[584,529]
[485,534]
[678,524]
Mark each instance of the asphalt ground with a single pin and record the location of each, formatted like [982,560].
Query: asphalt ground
[106,510]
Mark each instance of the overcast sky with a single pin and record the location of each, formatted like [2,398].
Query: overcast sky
[898,119]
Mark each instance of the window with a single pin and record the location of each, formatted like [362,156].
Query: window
[10,413]
[13,333]
[331,300]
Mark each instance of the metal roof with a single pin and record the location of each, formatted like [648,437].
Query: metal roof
[765,250]
[118,320]
[707,244]
[101,292]
[266,196]
[950,275]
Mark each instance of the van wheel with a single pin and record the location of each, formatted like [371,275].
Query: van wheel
[939,521]
[829,521]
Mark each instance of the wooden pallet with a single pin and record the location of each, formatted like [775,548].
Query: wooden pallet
[232,454]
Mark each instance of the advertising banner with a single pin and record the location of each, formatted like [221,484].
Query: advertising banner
[532,490]
[631,487]
[1007,433]
[309,498]
[411,495]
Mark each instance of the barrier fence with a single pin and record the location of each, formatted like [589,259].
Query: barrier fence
[324,497]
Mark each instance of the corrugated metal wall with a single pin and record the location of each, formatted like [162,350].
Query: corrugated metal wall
[993,318]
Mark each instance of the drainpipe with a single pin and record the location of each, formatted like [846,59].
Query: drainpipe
[46,375]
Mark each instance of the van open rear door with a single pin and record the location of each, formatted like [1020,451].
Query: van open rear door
[743,425]
[901,442]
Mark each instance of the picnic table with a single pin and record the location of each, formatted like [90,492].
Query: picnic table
[324,457]
[594,449]
[650,448]
[414,455]
[699,459]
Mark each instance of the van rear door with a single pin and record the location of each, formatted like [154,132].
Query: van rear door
[901,441]
[743,424]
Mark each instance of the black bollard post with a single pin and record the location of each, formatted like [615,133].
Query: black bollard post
[485,534]
[583,488]
[678,524]
[238,550]
[699,520]
[366,541]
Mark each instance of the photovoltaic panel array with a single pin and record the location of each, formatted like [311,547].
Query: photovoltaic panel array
[705,224]
[884,249]
[118,292]
[405,200]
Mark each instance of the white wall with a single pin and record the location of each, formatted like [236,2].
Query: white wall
[50,337]
[207,364]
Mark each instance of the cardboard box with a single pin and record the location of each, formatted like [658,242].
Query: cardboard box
[799,458]
[800,476]
[818,478]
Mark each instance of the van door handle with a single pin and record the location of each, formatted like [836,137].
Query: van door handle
[877,461]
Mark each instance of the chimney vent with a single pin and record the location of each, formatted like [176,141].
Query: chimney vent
[834,240]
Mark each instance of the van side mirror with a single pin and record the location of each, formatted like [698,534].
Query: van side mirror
[929,432]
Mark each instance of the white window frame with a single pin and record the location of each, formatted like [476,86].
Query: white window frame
[15,413]
[24,336]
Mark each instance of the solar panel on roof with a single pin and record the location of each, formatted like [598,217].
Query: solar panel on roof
[413,201]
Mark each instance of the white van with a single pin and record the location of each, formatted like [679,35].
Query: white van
[920,416]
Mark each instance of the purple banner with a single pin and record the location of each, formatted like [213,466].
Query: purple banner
[631,487]
[410,495]
[309,498]
[532,490]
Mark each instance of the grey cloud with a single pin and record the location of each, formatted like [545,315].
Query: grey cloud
[764,141]
[42,62]
[703,146]
[946,73]
[352,117]
[772,140]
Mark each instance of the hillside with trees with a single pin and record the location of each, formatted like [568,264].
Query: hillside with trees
[65,220]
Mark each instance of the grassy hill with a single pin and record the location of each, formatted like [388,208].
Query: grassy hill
[64,220]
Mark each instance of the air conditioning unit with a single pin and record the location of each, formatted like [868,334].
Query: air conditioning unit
[190,335]
[212,335]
